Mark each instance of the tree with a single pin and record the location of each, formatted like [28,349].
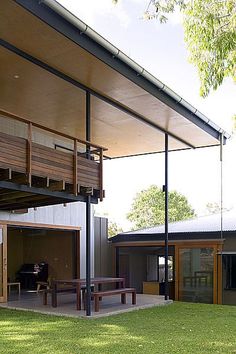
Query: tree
[215,208]
[210,35]
[148,208]
[113,229]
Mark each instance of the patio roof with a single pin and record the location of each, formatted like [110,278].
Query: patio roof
[49,59]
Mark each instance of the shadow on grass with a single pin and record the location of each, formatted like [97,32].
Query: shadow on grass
[179,328]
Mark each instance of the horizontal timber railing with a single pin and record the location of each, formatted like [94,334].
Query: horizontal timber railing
[48,158]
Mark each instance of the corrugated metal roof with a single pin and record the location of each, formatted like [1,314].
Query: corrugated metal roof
[209,223]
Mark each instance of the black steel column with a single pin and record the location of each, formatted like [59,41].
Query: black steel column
[88,216]
[166,218]
[117,262]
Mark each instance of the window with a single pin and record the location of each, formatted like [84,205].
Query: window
[230,265]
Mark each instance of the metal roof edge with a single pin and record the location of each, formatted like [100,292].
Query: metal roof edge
[173,236]
[173,99]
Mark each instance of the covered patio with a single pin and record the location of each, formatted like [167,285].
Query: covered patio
[66,306]
[60,76]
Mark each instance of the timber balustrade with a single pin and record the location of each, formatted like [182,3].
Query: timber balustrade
[25,161]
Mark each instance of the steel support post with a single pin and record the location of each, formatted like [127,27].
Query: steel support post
[166,218]
[88,216]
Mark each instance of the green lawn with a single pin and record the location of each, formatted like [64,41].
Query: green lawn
[178,328]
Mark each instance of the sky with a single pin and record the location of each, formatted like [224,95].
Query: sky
[161,50]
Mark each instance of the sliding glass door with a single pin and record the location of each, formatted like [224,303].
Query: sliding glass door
[196,269]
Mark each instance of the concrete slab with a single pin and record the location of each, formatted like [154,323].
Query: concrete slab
[67,304]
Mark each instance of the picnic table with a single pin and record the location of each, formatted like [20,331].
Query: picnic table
[79,283]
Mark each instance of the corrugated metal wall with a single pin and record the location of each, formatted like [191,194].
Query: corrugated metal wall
[102,249]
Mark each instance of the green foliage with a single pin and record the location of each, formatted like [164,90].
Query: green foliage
[113,229]
[213,208]
[181,328]
[210,34]
[211,38]
[148,208]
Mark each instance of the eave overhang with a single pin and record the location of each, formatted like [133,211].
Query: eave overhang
[131,110]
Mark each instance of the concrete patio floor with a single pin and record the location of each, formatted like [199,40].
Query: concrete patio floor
[67,304]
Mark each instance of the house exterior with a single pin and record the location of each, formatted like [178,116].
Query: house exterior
[68,100]
[202,259]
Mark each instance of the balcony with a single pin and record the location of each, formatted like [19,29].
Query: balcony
[39,166]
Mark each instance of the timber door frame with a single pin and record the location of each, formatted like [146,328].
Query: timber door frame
[3,297]
[217,268]
[4,226]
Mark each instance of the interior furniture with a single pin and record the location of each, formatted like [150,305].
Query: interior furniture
[13,284]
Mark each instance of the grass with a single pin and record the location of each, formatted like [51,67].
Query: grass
[178,328]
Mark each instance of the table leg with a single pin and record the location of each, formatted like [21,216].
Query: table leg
[54,294]
[134,298]
[78,297]
[123,298]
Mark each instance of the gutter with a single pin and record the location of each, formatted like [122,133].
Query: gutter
[140,71]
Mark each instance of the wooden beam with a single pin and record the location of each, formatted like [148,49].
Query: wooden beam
[40,182]
[13,196]
[4,191]
[84,190]
[21,198]
[57,185]
[20,211]
[64,196]
[75,168]
[6,174]
[101,174]
[70,188]
[29,153]
[30,204]
[19,178]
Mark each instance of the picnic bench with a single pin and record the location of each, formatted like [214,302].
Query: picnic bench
[58,291]
[80,286]
[97,295]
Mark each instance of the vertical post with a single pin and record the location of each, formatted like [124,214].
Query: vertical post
[75,167]
[29,153]
[166,219]
[101,174]
[117,260]
[221,185]
[88,216]
[219,258]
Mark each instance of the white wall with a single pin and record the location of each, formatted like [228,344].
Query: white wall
[73,214]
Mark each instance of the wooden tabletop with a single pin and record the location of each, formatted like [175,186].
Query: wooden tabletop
[92,280]
[79,282]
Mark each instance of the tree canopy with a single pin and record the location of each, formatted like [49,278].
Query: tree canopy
[113,229]
[210,35]
[148,208]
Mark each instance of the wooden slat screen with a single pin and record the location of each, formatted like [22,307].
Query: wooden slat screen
[47,162]
[13,152]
